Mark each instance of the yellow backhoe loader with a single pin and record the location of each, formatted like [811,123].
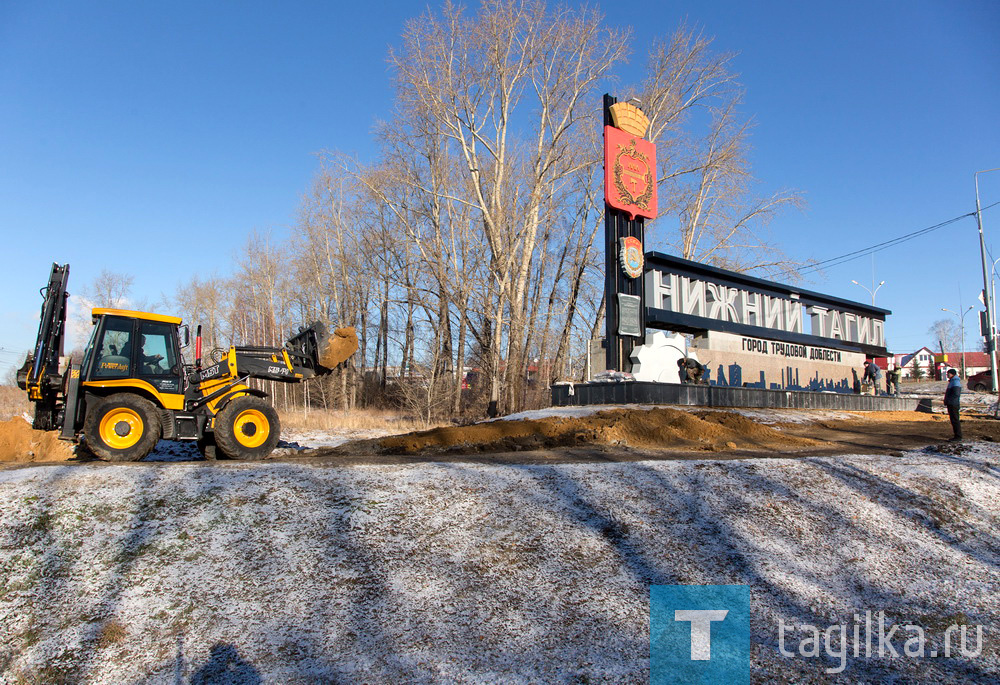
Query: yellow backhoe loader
[133,388]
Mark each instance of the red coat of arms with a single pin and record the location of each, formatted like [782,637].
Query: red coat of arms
[629,173]
[631,256]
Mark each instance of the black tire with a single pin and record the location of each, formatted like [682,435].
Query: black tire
[980,387]
[206,446]
[83,452]
[247,429]
[122,427]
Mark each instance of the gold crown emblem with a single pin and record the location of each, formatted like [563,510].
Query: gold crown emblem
[629,118]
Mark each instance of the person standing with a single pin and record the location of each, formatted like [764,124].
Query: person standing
[873,374]
[892,381]
[952,400]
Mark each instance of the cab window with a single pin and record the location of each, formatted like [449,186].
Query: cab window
[114,351]
[158,354]
[89,350]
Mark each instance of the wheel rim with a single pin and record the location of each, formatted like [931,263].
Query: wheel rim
[121,428]
[251,428]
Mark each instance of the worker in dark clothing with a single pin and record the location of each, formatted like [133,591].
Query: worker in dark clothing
[952,400]
[873,375]
[690,370]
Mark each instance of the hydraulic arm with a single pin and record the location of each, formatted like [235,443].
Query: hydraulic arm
[40,376]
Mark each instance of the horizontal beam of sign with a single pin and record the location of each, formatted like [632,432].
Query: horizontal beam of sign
[657,261]
[689,323]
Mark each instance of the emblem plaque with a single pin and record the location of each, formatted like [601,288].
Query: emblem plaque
[629,173]
[631,256]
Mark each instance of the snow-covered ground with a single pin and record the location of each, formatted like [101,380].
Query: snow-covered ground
[292,443]
[982,401]
[286,573]
[765,416]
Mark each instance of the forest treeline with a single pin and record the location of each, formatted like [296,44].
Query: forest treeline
[474,239]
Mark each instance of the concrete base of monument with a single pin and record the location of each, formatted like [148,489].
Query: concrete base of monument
[747,362]
[645,392]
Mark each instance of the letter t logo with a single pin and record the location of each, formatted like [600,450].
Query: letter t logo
[701,629]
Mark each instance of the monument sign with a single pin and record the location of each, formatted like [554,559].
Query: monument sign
[629,199]
[749,332]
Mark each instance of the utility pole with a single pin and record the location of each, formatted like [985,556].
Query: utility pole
[991,324]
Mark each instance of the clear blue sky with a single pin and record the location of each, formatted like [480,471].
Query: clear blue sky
[150,138]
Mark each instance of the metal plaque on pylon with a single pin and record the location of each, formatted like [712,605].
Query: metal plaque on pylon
[628,315]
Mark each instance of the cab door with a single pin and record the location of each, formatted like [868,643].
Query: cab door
[110,357]
[158,360]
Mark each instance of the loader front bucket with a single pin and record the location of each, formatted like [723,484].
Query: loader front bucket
[316,352]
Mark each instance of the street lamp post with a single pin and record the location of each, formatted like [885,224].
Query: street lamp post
[991,344]
[961,319]
[870,291]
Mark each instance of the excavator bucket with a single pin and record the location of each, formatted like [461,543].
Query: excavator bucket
[339,347]
[315,350]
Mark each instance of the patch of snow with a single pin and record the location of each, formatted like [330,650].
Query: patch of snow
[292,442]
[174,450]
[766,416]
[312,439]
[772,416]
[571,412]
[459,572]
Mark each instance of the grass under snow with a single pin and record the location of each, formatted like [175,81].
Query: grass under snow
[187,572]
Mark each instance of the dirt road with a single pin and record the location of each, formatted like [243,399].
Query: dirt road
[619,434]
[638,434]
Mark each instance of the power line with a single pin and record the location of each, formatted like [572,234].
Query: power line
[857,254]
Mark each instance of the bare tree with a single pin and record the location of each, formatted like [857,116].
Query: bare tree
[339,266]
[482,76]
[207,303]
[947,334]
[707,190]
[110,289]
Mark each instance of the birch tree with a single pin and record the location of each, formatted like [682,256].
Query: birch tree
[508,85]
[110,289]
[709,207]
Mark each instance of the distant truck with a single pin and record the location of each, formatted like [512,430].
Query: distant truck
[133,388]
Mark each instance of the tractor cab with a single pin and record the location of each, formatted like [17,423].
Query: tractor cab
[137,350]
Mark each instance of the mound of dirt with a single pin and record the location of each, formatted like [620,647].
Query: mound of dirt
[668,428]
[20,442]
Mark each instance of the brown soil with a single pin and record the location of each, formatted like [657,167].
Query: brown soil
[19,442]
[654,428]
[892,432]
[635,434]
[342,344]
